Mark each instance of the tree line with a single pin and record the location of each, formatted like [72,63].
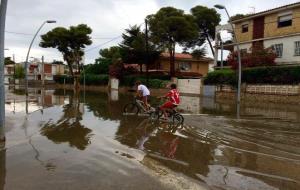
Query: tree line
[168,28]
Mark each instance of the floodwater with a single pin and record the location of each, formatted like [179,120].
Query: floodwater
[83,141]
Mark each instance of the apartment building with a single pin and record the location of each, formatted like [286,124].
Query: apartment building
[35,71]
[278,28]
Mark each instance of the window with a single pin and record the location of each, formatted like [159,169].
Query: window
[245,28]
[278,48]
[185,66]
[285,20]
[297,48]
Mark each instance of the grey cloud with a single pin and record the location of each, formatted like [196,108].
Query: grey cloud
[106,18]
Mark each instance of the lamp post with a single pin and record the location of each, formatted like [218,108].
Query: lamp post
[239,59]
[3,8]
[147,51]
[27,57]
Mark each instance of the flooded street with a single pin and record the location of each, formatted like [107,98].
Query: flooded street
[84,141]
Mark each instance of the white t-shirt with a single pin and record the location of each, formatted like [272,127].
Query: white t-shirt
[144,89]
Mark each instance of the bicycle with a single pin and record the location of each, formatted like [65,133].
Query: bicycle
[136,107]
[175,117]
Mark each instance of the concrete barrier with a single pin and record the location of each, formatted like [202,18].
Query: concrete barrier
[114,83]
[283,90]
[190,104]
[189,86]
[114,95]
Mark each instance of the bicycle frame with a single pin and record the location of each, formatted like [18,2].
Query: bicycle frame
[140,104]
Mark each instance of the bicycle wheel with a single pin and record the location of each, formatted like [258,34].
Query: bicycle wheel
[178,119]
[155,115]
[131,109]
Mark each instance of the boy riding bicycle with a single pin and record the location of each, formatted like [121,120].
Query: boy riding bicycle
[143,92]
[173,100]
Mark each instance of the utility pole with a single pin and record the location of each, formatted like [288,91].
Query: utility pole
[239,60]
[27,57]
[43,72]
[147,51]
[222,49]
[3,8]
[14,60]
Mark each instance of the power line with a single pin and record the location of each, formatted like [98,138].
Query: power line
[19,33]
[90,49]
[26,34]
[113,39]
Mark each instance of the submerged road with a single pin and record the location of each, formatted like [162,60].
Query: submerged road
[85,142]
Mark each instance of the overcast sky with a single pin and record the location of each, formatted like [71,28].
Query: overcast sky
[108,19]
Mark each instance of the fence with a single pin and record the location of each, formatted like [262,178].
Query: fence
[289,90]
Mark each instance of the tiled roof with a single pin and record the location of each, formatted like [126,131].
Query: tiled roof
[184,56]
[178,55]
[267,11]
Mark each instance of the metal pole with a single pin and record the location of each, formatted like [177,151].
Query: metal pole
[83,85]
[43,72]
[26,63]
[43,98]
[239,62]
[147,51]
[222,48]
[3,8]
[14,60]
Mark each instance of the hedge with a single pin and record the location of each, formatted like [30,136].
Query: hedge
[218,77]
[260,75]
[60,79]
[153,83]
[94,79]
[90,79]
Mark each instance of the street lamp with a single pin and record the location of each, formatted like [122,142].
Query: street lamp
[26,62]
[3,8]
[239,56]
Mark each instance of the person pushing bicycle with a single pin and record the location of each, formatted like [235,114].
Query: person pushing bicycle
[173,100]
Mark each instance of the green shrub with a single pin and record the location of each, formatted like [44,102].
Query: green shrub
[90,79]
[128,80]
[19,72]
[60,79]
[94,79]
[218,77]
[260,75]
[156,83]
[272,75]
[153,83]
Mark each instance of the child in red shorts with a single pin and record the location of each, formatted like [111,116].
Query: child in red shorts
[173,100]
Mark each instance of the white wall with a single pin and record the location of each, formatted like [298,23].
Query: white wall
[114,83]
[54,69]
[211,67]
[190,104]
[288,56]
[247,46]
[189,86]
[48,77]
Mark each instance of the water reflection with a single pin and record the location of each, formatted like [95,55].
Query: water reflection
[166,145]
[69,128]
[258,152]
[2,165]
